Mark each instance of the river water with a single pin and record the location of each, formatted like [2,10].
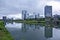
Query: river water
[22,31]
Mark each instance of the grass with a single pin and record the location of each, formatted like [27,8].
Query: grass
[42,22]
[4,34]
[29,21]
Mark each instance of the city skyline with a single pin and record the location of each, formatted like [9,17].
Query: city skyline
[14,7]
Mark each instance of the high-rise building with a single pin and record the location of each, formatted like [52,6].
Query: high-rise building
[38,15]
[48,11]
[27,16]
[35,17]
[56,19]
[24,14]
[48,14]
[4,19]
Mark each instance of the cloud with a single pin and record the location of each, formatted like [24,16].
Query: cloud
[14,6]
[57,0]
[55,6]
[15,16]
[8,7]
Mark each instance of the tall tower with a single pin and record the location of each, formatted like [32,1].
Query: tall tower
[4,20]
[48,11]
[48,14]
[24,14]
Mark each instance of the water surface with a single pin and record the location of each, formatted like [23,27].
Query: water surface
[22,31]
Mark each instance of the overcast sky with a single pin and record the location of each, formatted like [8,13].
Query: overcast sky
[13,7]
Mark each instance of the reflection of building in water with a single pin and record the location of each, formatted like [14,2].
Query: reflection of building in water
[57,26]
[48,32]
[48,14]
[37,26]
[26,27]
[25,31]
[33,31]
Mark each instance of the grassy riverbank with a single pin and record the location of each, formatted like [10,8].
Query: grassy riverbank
[4,34]
[29,21]
[42,22]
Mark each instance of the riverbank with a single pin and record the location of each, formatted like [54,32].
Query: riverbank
[29,21]
[4,34]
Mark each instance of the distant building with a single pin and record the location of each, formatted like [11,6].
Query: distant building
[48,14]
[56,19]
[35,17]
[48,11]
[4,18]
[27,16]
[24,14]
[56,16]
[38,15]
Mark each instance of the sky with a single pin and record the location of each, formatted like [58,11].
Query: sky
[14,7]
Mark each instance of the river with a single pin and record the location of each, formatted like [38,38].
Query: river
[23,31]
